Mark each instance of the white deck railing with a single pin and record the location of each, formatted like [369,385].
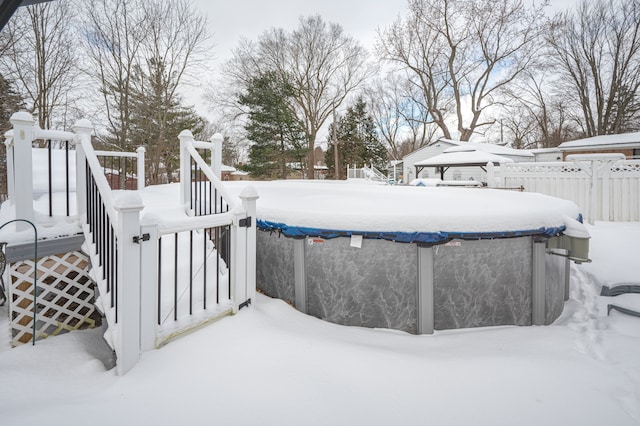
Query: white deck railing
[154,280]
[367,173]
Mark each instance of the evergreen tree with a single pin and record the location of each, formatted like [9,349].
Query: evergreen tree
[157,117]
[277,135]
[358,141]
[11,102]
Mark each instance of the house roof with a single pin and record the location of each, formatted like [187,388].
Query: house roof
[625,140]
[544,150]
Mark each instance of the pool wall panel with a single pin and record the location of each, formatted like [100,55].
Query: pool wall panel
[274,265]
[554,292]
[372,286]
[482,283]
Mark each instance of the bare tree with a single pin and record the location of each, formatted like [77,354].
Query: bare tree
[114,36]
[400,114]
[173,45]
[322,63]
[40,55]
[597,47]
[142,53]
[462,54]
[539,99]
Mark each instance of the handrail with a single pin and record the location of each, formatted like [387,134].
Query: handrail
[228,198]
[376,173]
[60,135]
[191,223]
[202,144]
[100,180]
[116,154]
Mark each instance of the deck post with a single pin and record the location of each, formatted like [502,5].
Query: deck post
[141,167]
[149,264]
[186,138]
[10,171]
[82,129]
[23,168]
[249,196]
[128,342]
[216,155]
[238,267]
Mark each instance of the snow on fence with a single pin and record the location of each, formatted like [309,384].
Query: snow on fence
[605,188]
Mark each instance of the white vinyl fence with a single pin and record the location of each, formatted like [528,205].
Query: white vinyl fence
[604,188]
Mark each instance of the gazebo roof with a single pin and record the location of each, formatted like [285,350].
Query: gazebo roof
[463,159]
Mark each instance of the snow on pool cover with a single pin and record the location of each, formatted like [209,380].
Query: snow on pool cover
[407,214]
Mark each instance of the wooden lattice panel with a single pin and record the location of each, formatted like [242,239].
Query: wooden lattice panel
[65,297]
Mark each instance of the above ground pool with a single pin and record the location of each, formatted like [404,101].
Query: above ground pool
[415,259]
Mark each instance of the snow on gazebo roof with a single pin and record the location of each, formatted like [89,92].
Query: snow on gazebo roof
[463,158]
[489,148]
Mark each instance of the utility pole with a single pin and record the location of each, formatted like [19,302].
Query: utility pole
[335,145]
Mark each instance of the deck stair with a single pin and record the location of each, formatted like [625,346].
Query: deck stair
[163,260]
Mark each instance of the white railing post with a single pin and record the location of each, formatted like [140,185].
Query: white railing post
[128,341]
[238,268]
[491,175]
[249,196]
[186,137]
[23,167]
[8,141]
[82,129]
[141,167]
[216,155]
[149,286]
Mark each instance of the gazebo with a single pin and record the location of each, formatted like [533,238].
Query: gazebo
[460,158]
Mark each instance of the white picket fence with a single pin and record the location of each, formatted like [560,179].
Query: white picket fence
[604,188]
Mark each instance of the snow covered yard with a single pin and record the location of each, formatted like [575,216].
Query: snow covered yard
[273,365]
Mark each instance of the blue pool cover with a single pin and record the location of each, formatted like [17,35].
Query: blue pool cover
[430,238]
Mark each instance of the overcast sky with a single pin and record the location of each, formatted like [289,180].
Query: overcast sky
[232,19]
[229,20]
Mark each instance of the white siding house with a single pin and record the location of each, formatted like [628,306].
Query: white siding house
[546,155]
[626,143]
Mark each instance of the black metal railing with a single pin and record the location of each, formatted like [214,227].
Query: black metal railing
[103,236]
[51,189]
[191,275]
[205,198]
[120,169]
